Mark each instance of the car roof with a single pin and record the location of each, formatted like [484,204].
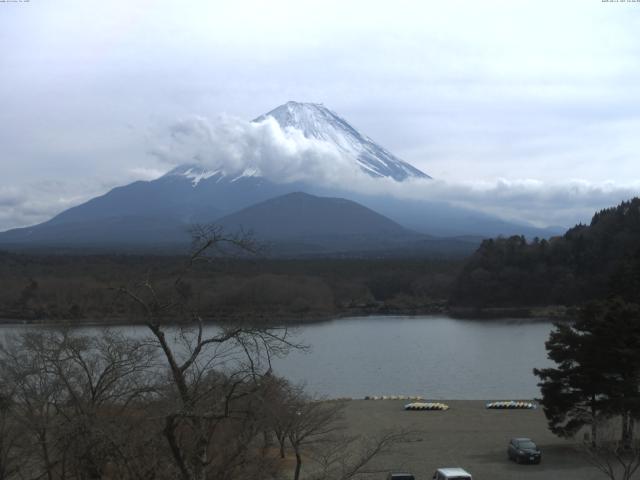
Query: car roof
[453,471]
[522,439]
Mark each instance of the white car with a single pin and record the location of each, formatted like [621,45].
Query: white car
[452,474]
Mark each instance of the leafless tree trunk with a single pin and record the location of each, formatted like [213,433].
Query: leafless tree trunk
[312,422]
[11,451]
[345,458]
[70,390]
[189,402]
[198,353]
[35,392]
[616,457]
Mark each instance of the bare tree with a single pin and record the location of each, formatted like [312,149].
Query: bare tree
[103,377]
[350,457]
[616,458]
[212,372]
[316,431]
[35,393]
[281,403]
[70,395]
[313,423]
[11,437]
[190,401]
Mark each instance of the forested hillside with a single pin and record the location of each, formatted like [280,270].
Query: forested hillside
[588,262]
[82,287]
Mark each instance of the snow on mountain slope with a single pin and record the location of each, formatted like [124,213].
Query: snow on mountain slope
[197,174]
[317,121]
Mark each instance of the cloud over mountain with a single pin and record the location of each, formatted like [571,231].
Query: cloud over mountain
[233,145]
[286,155]
[442,84]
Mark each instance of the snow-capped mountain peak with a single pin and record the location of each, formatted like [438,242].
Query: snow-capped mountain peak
[318,122]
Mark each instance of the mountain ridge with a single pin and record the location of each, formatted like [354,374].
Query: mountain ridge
[151,212]
[299,214]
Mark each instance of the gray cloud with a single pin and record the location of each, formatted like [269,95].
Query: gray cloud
[560,203]
[38,201]
[32,204]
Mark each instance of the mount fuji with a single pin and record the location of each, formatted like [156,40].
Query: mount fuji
[318,122]
[157,214]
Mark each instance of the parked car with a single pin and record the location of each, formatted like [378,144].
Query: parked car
[451,474]
[400,476]
[523,450]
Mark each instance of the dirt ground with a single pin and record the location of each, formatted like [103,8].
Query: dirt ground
[468,436]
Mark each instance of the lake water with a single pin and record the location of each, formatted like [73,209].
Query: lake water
[433,356]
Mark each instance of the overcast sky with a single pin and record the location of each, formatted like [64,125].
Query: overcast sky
[521,108]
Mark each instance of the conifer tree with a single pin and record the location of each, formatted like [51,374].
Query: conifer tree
[597,371]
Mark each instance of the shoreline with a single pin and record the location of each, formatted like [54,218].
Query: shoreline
[278,319]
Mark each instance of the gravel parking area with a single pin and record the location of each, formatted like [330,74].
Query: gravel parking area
[468,436]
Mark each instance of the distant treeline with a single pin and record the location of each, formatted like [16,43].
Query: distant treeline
[83,287]
[589,262]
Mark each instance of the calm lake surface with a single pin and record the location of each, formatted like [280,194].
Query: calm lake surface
[433,356]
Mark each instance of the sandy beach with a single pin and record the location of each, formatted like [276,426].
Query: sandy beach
[469,436]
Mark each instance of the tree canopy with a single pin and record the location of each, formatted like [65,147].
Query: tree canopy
[597,372]
[586,263]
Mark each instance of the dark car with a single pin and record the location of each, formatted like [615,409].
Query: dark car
[400,476]
[523,450]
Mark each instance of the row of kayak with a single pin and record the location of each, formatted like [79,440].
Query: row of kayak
[511,404]
[393,397]
[506,405]
[426,406]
